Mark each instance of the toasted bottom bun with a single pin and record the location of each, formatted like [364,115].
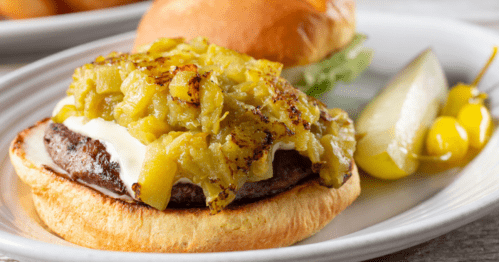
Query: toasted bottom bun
[88,218]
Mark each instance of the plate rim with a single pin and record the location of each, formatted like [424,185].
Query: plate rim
[371,244]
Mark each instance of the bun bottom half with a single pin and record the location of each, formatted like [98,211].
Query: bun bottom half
[91,219]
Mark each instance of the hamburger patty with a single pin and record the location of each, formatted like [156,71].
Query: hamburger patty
[83,158]
[87,159]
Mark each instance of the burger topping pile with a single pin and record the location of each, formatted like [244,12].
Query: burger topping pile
[209,115]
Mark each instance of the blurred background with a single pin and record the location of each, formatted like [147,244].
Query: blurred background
[66,23]
[33,29]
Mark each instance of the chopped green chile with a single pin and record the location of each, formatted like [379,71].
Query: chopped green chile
[210,115]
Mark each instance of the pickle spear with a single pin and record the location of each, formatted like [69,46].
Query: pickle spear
[393,126]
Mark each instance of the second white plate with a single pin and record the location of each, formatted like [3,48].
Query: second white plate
[48,34]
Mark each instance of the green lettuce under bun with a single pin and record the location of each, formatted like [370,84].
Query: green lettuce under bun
[321,77]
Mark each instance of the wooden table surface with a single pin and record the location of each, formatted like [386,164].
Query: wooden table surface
[477,241]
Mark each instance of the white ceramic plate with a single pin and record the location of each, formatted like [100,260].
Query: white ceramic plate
[48,34]
[388,216]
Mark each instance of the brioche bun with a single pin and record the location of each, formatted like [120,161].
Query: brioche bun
[88,218]
[293,32]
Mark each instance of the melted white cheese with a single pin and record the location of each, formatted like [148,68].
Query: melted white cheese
[124,149]
[38,155]
[36,152]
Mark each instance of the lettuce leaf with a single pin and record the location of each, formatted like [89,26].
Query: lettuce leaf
[344,66]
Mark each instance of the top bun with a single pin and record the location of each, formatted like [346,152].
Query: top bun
[293,32]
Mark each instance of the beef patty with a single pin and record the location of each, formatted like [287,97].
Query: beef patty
[86,159]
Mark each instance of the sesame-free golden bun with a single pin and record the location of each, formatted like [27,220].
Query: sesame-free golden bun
[293,32]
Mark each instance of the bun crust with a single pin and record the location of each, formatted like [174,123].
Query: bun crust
[293,32]
[88,218]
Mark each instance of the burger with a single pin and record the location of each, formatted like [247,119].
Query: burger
[187,146]
[315,40]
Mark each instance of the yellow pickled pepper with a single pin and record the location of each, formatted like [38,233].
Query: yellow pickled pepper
[463,111]
[476,119]
[447,136]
